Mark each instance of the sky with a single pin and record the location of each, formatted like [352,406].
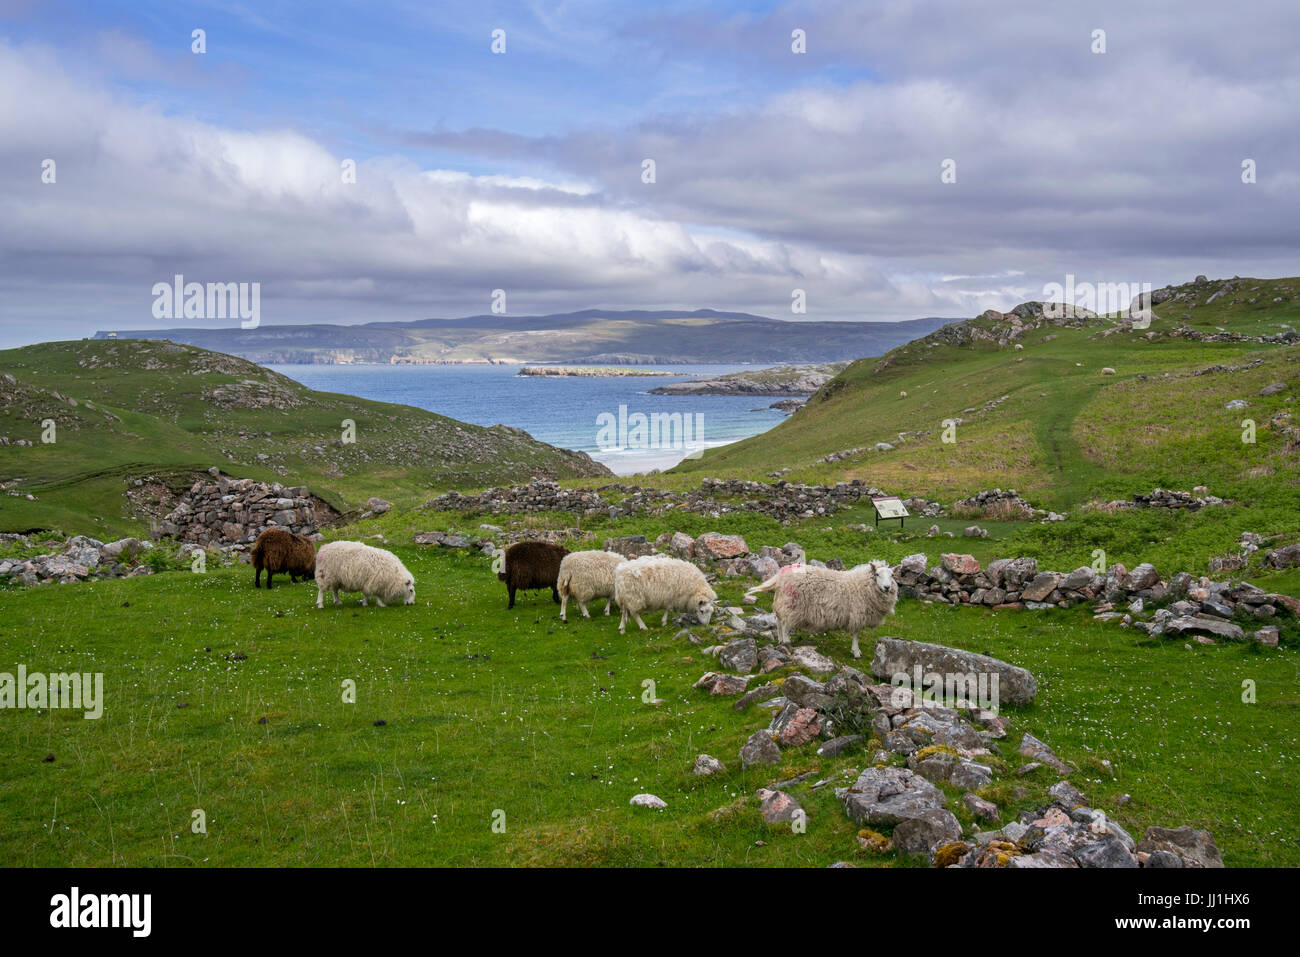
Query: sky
[920,158]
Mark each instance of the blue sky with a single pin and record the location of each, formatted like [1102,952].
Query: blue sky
[358,76]
[775,171]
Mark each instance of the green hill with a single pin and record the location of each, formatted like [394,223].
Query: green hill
[1038,412]
[126,410]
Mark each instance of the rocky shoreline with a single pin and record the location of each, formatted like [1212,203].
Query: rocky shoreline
[800,380]
[588,372]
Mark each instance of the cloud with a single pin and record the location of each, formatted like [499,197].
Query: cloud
[141,196]
[824,176]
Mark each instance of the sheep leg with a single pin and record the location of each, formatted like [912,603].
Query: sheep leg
[640,622]
[379,603]
[608,602]
[665,618]
[257,579]
[564,604]
[622,623]
[583,606]
[512,597]
[782,632]
[555,595]
[363,601]
[320,596]
[268,579]
[336,597]
[856,652]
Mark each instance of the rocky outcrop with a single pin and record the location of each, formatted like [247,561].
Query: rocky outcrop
[78,559]
[587,372]
[781,380]
[1002,328]
[894,656]
[926,751]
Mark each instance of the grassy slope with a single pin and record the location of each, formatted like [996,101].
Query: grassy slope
[173,421]
[487,709]
[1066,433]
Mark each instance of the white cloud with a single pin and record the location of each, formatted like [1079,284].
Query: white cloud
[1123,167]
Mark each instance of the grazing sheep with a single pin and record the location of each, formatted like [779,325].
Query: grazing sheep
[585,576]
[656,581]
[530,565]
[822,599]
[279,550]
[356,566]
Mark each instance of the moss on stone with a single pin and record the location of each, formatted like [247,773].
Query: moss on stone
[950,853]
[934,749]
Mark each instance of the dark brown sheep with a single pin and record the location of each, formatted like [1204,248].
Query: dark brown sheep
[531,565]
[282,552]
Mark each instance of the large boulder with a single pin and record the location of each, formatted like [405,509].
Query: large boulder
[1042,585]
[681,545]
[805,692]
[777,807]
[1204,626]
[806,656]
[800,728]
[920,834]
[123,549]
[888,796]
[759,749]
[1195,848]
[895,656]
[739,654]
[714,546]
[1081,577]
[1143,576]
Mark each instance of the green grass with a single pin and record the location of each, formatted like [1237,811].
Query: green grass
[156,408]
[1173,541]
[1065,433]
[229,699]
[491,710]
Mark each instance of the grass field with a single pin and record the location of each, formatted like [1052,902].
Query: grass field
[230,700]
[144,408]
[1060,432]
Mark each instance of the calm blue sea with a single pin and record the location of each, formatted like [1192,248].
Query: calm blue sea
[561,411]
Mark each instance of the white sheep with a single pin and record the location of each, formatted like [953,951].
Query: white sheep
[656,581]
[356,566]
[821,599]
[585,576]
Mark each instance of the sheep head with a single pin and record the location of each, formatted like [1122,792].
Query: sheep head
[704,605]
[884,576]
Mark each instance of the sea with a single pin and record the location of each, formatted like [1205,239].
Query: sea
[571,412]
